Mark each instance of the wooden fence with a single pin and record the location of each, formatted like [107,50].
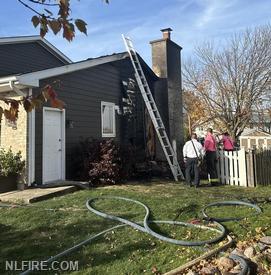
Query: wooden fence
[262,170]
[232,167]
[245,168]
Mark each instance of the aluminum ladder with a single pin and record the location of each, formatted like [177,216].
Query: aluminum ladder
[153,111]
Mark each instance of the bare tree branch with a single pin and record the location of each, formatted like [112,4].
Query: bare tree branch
[30,8]
[232,80]
[42,3]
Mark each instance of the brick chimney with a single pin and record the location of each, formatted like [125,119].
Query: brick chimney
[166,33]
[166,63]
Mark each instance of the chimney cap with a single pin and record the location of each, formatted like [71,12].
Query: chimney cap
[166,30]
[166,33]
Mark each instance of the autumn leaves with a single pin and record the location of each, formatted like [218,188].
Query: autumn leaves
[29,103]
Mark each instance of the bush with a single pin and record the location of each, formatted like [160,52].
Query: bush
[106,169]
[101,162]
[11,163]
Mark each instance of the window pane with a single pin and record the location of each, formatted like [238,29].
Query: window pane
[108,119]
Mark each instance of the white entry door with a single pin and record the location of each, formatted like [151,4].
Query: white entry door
[53,144]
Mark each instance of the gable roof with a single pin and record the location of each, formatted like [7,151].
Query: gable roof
[32,79]
[41,41]
[254,133]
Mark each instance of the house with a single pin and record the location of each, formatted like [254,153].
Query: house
[95,91]
[252,138]
[261,120]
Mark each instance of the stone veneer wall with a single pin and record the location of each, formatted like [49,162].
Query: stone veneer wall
[15,137]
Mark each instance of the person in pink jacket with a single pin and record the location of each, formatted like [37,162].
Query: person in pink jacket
[210,145]
[227,141]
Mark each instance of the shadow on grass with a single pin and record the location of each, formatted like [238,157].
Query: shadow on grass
[192,208]
[43,242]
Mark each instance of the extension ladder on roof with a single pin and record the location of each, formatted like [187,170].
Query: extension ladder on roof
[153,111]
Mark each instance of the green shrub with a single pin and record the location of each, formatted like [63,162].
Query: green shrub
[11,163]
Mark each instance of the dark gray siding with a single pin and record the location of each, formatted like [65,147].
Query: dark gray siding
[26,57]
[82,91]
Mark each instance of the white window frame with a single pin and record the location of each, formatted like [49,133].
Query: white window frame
[109,104]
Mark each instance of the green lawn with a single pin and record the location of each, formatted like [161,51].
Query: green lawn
[47,228]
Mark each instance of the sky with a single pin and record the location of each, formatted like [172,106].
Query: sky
[193,22]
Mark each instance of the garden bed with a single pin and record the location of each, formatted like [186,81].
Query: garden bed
[8,183]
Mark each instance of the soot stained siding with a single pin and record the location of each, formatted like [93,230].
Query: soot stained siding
[82,91]
[26,57]
[135,133]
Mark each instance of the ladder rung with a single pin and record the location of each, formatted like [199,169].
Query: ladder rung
[153,110]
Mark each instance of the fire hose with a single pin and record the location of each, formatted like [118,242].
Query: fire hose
[147,229]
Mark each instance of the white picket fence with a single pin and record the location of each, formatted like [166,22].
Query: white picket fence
[232,167]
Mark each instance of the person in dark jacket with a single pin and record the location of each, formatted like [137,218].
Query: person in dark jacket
[210,146]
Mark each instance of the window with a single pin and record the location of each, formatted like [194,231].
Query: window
[108,119]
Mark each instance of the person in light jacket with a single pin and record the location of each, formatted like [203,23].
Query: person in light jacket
[192,151]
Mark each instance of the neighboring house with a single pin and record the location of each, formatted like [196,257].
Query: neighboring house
[96,96]
[254,138]
[261,120]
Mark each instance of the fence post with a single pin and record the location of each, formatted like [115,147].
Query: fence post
[226,171]
[235,167]
[257,165]
[242,167]
[250,169]
[222,170]
[230,157]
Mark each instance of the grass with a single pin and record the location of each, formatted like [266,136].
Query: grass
[47,228]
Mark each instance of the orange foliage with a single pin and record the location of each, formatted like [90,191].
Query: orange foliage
[30,102]
[195,109]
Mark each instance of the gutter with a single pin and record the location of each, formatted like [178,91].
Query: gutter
[16,89]
[12,83]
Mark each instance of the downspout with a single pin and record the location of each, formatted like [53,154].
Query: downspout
[31,144]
